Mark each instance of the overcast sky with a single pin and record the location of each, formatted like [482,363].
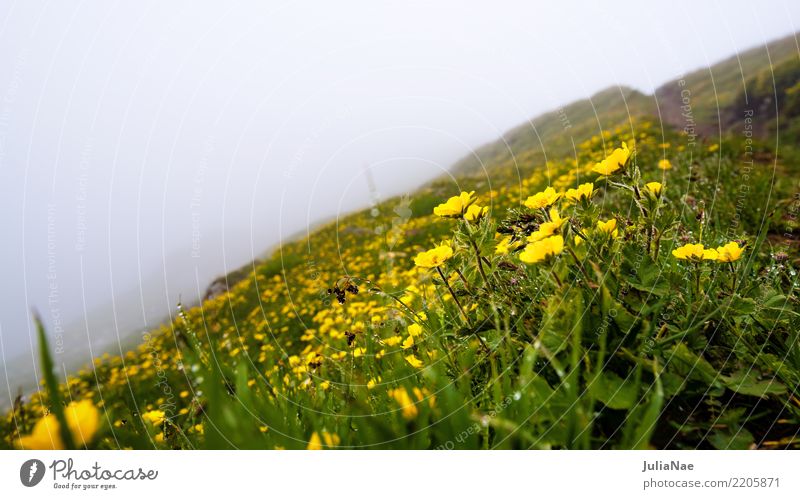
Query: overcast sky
[148,146]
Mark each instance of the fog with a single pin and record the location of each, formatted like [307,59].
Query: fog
[148,147]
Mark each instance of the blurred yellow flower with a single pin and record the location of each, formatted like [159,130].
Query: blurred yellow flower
[83,421]
[393,341]
[154,417]
[584,191]
[664,164]
[456,206]
[404,400]
[540,250]
[413,361]
[408,343]
[542,199]
[414,330]
[314,443]
[729,253]
[614,161]
[434,257]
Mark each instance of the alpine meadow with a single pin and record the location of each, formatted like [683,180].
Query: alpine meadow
[620,273]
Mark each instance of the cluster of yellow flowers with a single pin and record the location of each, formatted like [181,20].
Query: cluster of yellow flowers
[727,253]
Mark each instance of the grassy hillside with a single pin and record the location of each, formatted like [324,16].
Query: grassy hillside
[554,134]
[526,328]
[654,308]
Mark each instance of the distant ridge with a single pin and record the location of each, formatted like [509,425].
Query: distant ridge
[715,95]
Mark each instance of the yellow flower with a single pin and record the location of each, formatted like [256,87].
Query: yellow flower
[414,330]
[83,421]
[314,443]
[689,252]
[547,229]
[331,439]
[505,245]
[654,188]
[475,213]
[729,253]
[154,417]
[456,206]
[584,191]
[359,352]
[542,199]
[540,250]
[413,361]
[664,164]
[408,343]
[434,258]
[404,400]
[608,227]
[694,252]
[393,341]
[614,161]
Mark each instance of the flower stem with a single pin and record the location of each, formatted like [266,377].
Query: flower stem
[697,279]
[555,276]
[578,263]
[464,280]
[480,262]
[453,294]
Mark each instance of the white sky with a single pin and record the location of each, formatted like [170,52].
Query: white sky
[117,115]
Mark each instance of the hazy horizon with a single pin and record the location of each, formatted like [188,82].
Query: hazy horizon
[147,149]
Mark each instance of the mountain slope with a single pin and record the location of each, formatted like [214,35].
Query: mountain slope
[714,95]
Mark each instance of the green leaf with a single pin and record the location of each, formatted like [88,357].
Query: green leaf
[731,439]
[559,320]
[643,273]
[613,391]
[52,385]
[643,419]
[684,361]
[747,383]
[612,308]
[742,306]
